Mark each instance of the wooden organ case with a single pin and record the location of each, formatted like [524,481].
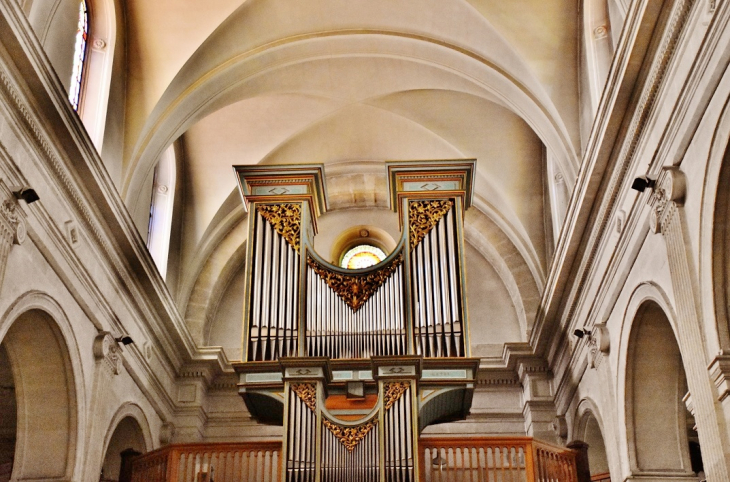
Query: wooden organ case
[355,363]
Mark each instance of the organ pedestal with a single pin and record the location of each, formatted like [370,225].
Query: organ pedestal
[355,363]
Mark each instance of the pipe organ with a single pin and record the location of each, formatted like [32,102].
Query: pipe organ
[354,363]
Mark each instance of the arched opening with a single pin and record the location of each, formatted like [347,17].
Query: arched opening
[597,458]
[161,209]
[126,439]
[657,417]
[597,47]
[40,378]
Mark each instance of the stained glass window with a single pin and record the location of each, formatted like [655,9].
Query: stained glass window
[82,33]
[362,256]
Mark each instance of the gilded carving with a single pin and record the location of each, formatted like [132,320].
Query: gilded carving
[349,436]
[285,218]
[393,392]
[423,216]
[355,290]
[307,393]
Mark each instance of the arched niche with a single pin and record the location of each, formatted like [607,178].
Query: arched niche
[128,437]
[43,382]
[656,385]
[589,431]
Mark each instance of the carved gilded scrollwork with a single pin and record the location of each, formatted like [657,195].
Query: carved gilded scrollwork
[423,216]
[349,436]
[393,392]
[355,290]
[286,219]
[307,393]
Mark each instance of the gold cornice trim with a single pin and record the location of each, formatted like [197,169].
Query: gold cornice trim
[423,216]
[286,219]
[393,392]
[307,393]
[355,290]
[350,437]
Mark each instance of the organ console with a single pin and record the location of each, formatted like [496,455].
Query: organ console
[355,363]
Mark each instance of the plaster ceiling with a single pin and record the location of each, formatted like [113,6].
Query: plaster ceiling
[351,85]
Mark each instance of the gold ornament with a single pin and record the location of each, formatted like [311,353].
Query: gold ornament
[349,436]
[286,220]
[393,392]
[355,290]
[423,216]
[307,393]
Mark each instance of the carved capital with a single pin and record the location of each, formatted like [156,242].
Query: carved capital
[13,225]
[599,344]
[669,192]
[107,352]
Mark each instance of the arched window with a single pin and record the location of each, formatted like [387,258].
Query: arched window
[77,74]
[362,256]
[161,209]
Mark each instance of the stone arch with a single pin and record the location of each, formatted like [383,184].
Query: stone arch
[654,387]
[44,364]
[209,82]
[714,275]
[128,430]
[589,429]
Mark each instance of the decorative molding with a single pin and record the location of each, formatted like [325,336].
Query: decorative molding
[286,220]
[393,392]
[307,393]
[107,352]
[355,290]
[720,374]
[669,192]
[599,344]
[349,436]
[423,216]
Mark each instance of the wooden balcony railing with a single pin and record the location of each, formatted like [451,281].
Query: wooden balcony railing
[455,459]
[254,461]
[490,458]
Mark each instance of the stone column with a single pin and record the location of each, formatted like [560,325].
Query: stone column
[667,218]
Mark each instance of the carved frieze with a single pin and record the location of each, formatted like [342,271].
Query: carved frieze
[349,436]
[286,219]
[355,290]
[423,216]
[307,393]
[393,392]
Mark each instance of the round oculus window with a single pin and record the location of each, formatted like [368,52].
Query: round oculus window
[362,256]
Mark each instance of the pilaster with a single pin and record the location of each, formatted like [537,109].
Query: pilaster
[667,218]
[538,406]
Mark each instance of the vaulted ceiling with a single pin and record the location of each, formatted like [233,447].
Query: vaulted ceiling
[350,85]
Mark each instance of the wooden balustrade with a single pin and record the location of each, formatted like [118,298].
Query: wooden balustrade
[225,462]
[453,459]
[602,477]
[487,459]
